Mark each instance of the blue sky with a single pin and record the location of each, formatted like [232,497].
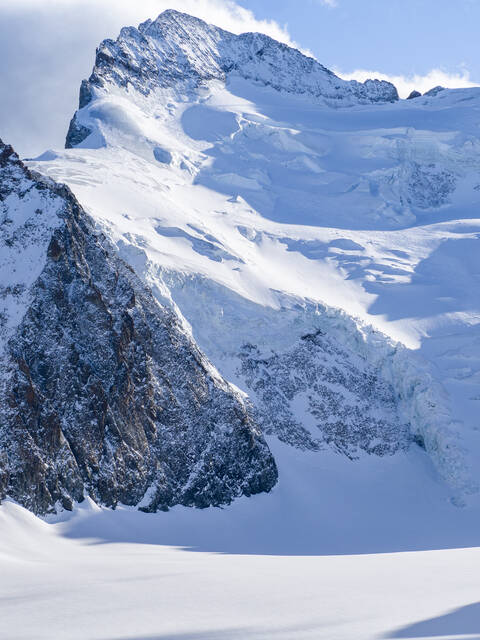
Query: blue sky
[394,36]
[47,47]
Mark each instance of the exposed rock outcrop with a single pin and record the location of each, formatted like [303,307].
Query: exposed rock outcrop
[341,400]
[435,91]
[102,391]
[414,94]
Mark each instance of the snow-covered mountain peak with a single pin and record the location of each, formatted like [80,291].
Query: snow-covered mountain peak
[175,22]
[183,53]
[218,168]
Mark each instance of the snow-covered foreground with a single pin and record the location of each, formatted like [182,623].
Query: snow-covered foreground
[330,554]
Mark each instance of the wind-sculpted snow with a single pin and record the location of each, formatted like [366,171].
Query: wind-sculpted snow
[102,391]
[206,246]
[226,223]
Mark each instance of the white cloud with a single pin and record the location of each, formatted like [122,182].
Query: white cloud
[406,84]
[48,46]
[117,13]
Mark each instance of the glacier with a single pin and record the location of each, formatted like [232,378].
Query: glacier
[265,205]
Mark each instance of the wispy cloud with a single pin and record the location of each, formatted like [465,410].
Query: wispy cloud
[117,13]
[407,83]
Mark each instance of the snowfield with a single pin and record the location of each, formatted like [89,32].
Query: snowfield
[331,554]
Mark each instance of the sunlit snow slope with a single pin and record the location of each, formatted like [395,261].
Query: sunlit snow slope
[106,575]
[322,243]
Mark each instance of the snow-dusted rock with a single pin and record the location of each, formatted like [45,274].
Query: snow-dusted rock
[178,49]
[414,94]
[102,392]
[431,93]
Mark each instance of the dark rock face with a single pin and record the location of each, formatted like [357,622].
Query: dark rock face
[103,393]
[414,94]
[76,134]
[342,399]
[429,186]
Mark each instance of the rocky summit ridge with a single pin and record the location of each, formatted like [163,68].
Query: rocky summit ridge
[177,48]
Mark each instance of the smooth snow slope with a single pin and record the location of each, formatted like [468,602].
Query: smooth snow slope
[335,552]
